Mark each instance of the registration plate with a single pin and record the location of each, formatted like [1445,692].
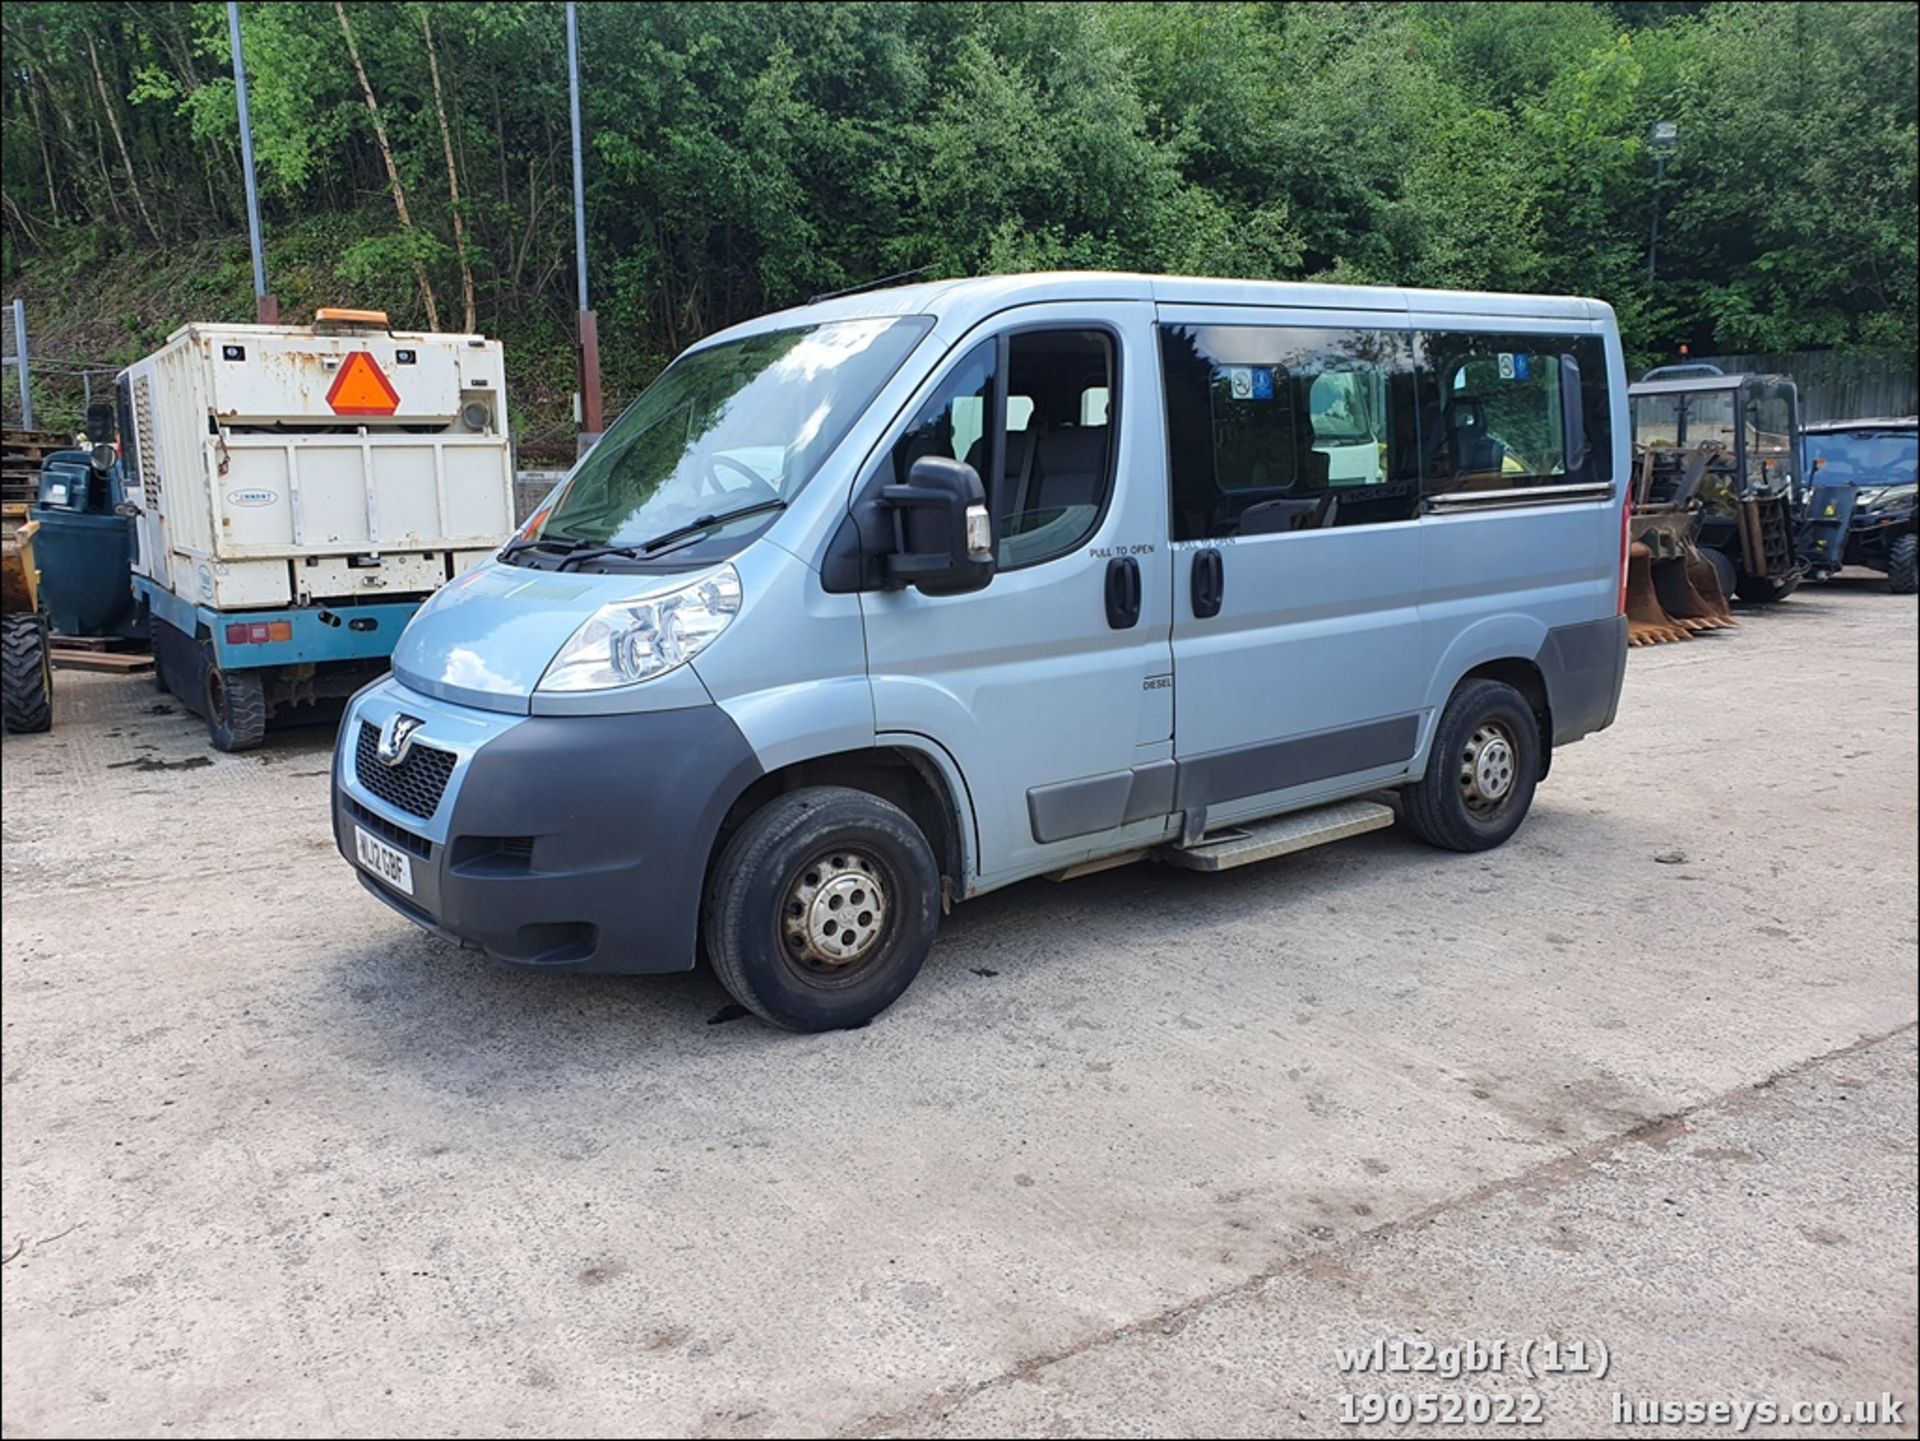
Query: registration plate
[390,863]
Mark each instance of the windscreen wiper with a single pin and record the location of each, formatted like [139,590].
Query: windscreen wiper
[708,522]
[594,552]
[564,544]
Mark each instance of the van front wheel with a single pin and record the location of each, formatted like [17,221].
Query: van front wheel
[821,909]
[1482,770]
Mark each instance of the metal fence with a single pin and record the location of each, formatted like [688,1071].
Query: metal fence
[62,391]
[54,391]
[1837,386]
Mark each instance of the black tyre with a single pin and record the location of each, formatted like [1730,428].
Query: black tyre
[236,705]
[1903,565]
[1482,772]
[1723,570]
[26,675]
[821,909]
[1759,590]
[149,628]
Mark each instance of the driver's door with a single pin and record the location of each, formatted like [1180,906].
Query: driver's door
[1051,688]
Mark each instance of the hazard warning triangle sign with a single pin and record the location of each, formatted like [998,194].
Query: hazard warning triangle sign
[362,388]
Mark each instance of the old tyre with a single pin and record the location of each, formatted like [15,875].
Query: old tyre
[821,909]
[236,704]
[1903,565]
[1482,770]
[26,675]
[1723,571]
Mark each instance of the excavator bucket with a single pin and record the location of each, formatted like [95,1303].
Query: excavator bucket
[1647,622]
[1689,592]
[1706,585]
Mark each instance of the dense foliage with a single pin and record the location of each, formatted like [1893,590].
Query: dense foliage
[742,157]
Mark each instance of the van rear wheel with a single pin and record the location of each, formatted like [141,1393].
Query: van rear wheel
[1482,770]
[821,909]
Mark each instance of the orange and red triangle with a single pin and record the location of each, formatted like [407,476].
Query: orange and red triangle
[362,388]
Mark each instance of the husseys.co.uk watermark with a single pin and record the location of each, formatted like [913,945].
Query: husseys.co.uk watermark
[1886,1409]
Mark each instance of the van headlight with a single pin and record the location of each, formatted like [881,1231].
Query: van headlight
[636,640]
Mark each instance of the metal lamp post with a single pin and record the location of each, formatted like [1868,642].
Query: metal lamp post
[266,309]
[587,337]
[1664,136]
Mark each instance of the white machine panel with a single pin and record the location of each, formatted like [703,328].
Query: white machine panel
[248,585]
[335,579]
[245,466]
[287,377]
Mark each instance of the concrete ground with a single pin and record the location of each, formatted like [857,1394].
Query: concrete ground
[1135,1154]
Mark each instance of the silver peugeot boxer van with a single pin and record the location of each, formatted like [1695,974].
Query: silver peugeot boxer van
[876,605]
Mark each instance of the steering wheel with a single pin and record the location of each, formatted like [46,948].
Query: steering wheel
[757,487]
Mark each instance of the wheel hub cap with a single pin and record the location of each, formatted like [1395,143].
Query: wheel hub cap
[836,910]
[1487,768]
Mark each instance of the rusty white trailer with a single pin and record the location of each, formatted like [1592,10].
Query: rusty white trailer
[298,492]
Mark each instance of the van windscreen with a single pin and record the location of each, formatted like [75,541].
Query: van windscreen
[736,427]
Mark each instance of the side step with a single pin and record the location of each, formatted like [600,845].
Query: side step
[1282,835]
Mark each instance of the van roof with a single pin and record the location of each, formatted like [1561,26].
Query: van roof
[966,302]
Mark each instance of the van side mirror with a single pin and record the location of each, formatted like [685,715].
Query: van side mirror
[942,536]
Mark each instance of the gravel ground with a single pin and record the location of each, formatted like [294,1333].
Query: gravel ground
[1136,1154]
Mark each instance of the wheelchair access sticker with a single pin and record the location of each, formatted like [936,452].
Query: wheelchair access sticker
[1247,382]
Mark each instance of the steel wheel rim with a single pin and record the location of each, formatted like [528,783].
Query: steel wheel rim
[217,695]
[1489,768]
[837,913]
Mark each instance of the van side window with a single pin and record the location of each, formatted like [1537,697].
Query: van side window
[1275,429]
[1495,411]
[1056,456]
[1057,466]
[954,420]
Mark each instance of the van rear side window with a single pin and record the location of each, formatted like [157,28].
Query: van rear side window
[1275,429]
[1498,412]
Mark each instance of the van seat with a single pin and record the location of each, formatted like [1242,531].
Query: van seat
[1070,470]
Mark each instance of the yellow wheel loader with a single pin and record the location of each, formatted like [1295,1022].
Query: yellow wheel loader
[26,668]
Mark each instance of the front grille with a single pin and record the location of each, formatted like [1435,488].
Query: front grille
[388,831]
[490,855]
[415,785]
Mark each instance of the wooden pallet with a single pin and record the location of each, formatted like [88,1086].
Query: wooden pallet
[91,653]
[21,452]
[91,642]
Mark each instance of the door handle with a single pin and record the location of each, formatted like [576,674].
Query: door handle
[1209,583]
[1123,592]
